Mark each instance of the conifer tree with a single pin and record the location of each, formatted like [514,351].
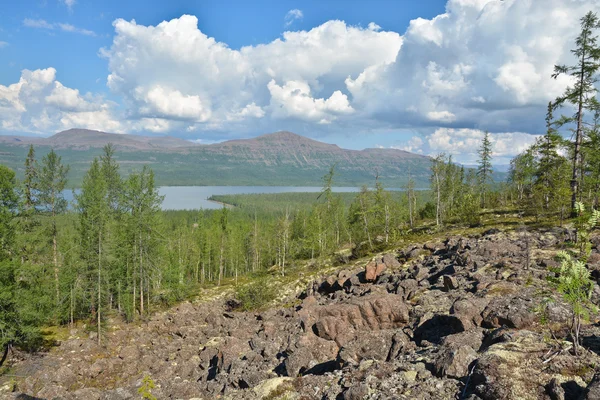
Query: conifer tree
[52,182]
[93,207]
[30,182]
[484,167]
[581,94]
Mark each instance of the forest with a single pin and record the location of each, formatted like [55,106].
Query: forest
[113,252]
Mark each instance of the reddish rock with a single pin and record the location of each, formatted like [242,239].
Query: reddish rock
[373,270]
[374,312]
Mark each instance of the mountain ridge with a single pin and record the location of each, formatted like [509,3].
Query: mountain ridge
[280,158]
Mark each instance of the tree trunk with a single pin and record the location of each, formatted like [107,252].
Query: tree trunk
[578,137]
[141,277]
[55,257]
[5,353]
[99,284]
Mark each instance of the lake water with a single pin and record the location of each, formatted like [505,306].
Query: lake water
[196,197]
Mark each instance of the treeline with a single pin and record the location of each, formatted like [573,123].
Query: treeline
[114,252]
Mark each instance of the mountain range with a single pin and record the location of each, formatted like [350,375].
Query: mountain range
[275,159]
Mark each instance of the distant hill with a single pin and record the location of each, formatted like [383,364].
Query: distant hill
[281,158]
[85,139]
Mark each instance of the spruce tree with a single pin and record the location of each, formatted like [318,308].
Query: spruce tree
[484,167]
[30,182]
[93,207]
[52,182]
[582,93]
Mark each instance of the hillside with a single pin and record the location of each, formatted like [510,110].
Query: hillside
[457,317]
[281,158]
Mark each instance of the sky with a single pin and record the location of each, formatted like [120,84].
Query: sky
[424,76]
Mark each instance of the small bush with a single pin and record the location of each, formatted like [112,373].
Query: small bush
[146,389]
[255,295]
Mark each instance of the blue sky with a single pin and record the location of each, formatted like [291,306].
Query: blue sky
[424,76]
[237,23]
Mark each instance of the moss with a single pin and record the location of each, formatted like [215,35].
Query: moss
[282,392]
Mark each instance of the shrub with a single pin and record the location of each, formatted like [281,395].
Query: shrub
[255,295]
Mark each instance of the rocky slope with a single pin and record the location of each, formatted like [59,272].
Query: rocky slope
[453,319]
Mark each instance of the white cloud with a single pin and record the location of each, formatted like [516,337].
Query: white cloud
[441,116]
[172,104]
[414,145]
[373,27]
[466,143]
[39,103]
[299,77]
[69,3]
[292,16]
[483,64]
[37,23]
[3,44]
[488,63]
[43,24]
[71,28]
[294,100]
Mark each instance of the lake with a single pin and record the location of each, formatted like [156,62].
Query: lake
[195,197]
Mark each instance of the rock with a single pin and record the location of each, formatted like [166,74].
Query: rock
[419,273]
[450,283]
[506,370]
[400,344]
[592,391]
[372,312]
[356,392]
[264,389]
[469,311]
[373,270]
[454,361]
[88,393]
[390,261]
[510,311]
[434,329]
[410,376]
[555,391]
[371,345]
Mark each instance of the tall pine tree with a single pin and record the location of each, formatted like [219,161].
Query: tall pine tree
[581,94]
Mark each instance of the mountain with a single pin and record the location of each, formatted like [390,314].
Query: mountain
[85,139]
[280,158]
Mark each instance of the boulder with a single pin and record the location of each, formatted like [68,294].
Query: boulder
[374,269]
[454,361]
[592,391]
[450,283]
[371,312]
[510,311]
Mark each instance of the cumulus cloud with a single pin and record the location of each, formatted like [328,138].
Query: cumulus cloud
[43,24]
[414,145]
[39,103]
[292,16]
[465,143]
[481,65]
[299,77]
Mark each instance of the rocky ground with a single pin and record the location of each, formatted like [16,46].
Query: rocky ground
[465,318]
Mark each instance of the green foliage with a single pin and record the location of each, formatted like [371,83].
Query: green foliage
[576,286]
[484,168]
[456,194]
[582,94]
[146,389]
[574,280]
[255,295]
